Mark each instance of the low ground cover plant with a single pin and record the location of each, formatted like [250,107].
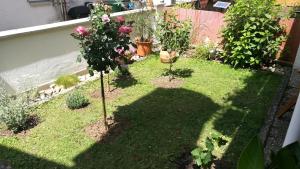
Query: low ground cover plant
[76,100]
[67,81]
[14,111]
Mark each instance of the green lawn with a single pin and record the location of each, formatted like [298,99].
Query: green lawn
[160,123]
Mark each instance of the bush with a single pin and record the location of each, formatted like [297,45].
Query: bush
[14,112]
[203,51]
[67,81]
[253,34]
[76,100]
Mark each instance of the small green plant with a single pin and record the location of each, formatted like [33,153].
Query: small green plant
[203,51]
[76,100]
[173,34]
[67,81]
[186,5]
[14,111]
[203,156]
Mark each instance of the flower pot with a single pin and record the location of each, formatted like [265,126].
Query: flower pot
[166,57]
[144,48]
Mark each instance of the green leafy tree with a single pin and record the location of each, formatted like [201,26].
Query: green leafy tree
[104,44]
[252,35]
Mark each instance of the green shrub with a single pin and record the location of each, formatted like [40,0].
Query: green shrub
[76,100]
[67,81]
[252,35]
[203,51]
[14,112]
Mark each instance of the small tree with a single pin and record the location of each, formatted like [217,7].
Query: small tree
[174,36]
[252,35]
[104,44]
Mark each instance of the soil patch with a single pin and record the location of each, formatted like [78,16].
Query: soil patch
[109,95]
[32,122]
[98,133]
[164,82]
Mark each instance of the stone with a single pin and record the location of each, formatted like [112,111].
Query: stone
[52,86]
[49,92]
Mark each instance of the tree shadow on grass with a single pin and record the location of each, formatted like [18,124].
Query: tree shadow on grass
[159,127]
[245,117]
[180,73]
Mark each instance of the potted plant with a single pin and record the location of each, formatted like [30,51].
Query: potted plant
[174,37]
[143,30]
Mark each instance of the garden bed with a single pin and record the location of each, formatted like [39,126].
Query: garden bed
[157,124]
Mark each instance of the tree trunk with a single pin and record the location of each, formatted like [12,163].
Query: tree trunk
[170,72]
[108,85]
[103,101]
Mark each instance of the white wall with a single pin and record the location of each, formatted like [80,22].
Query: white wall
[30,57]
[20,13]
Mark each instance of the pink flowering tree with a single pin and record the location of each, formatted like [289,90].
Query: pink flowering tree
[103,45]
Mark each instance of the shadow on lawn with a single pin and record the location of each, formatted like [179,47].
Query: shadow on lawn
[181,73]
[124,81]
[159,127]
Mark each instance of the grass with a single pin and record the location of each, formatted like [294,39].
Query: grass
[67,81]
[161,123]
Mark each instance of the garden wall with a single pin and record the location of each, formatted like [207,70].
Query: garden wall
[208,24]
[33,56]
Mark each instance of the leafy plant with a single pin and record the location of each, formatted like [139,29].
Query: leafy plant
[186,5]
[203,51]
[143,25]
[252,35]
[67,81]
[76,100]
[203,156]
[253,157]
[14,112]
[173,34]
[104,44]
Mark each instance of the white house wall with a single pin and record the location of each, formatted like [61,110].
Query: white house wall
[20,13]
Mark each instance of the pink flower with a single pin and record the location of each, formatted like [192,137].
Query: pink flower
[120,50]
[82,31]
[132,49]
[125,29]
[105,18]
[120,19]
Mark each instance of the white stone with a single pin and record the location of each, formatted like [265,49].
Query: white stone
[52,86]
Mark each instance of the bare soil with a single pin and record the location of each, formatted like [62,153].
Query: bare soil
[164,82]
[98,132]
[109,95]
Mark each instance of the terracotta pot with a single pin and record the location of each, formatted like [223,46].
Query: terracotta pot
[144,48]
[166,57]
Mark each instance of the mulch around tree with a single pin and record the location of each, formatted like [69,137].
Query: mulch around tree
[109,95]
[164,82]
[98,132]
[32,122]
